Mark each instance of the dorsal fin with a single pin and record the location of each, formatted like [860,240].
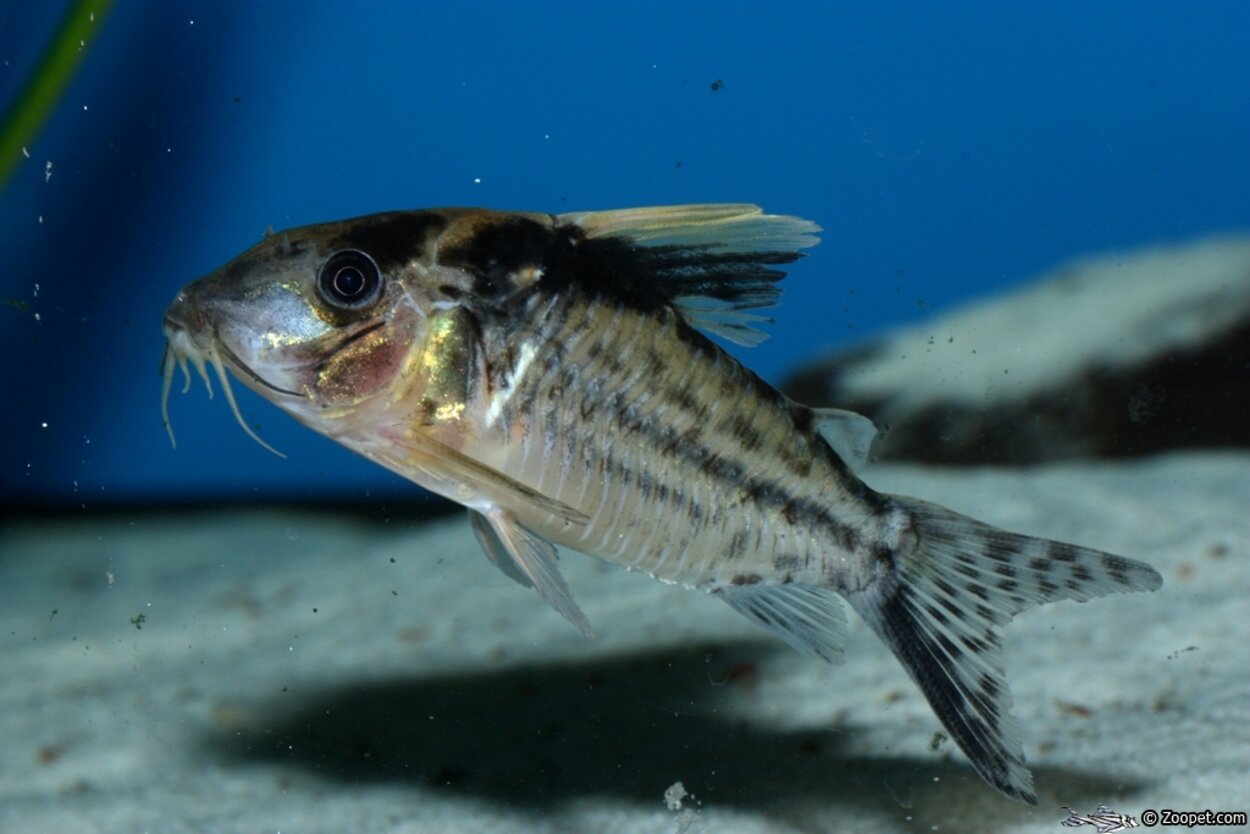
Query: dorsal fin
[713,263]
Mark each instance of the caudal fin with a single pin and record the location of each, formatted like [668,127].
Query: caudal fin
[942,610]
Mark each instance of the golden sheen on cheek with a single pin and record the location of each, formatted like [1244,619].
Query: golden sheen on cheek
[292,320]
[360,369]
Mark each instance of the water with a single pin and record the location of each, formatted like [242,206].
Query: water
[949,151]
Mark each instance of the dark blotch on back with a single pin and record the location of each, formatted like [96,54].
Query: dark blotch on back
[504,245]
[612,269]
[391,239]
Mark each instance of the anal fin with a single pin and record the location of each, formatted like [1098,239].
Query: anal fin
[527,559]
[808,617]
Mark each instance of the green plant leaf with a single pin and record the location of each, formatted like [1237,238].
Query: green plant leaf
[74,36]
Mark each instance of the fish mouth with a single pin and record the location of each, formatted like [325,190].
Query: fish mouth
[182,353]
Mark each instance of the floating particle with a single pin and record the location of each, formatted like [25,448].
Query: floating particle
[673,796]
[1078,710]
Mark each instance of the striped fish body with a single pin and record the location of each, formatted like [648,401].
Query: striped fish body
[685,464]
[551,374]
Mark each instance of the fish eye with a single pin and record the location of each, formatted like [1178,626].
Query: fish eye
[349,279]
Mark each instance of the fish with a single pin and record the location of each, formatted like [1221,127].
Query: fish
[1104,820]
[559,376]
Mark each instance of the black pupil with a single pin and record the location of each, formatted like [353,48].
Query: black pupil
[349,282]
[350,279]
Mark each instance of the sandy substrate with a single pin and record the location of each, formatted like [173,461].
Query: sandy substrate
[297,672]
[1114,355]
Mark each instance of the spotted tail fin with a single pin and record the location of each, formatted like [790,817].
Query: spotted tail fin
[942,609]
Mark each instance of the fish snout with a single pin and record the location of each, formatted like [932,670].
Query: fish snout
[183,316]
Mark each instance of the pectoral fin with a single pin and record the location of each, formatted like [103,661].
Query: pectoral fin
[527,559]
[465,480]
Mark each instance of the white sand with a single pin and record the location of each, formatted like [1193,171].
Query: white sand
[1113,311]
[290,677]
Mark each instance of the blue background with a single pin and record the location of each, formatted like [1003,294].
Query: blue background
[948,150]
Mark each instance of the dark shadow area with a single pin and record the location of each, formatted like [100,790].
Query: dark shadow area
[1179,399]
[623,727]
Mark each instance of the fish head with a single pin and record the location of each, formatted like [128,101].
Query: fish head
[320,320]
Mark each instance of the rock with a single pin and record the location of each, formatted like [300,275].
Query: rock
[1112,356]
